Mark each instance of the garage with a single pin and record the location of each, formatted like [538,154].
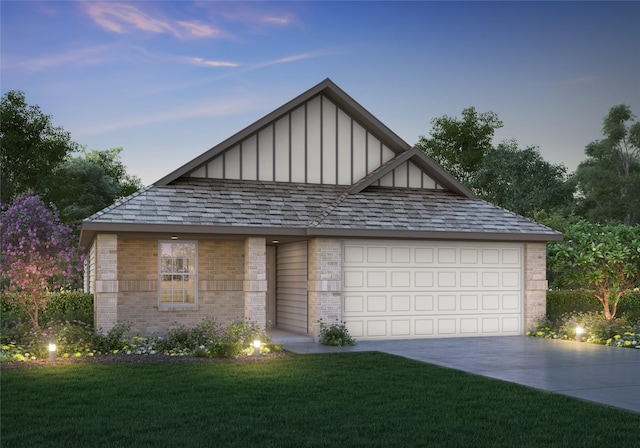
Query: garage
[430,289]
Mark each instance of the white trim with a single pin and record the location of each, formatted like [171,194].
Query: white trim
[177,306]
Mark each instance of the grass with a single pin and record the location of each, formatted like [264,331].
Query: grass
[345,400]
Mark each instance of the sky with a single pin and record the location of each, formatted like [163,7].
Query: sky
[167,80]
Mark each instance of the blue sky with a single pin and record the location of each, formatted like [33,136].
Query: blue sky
[167,80]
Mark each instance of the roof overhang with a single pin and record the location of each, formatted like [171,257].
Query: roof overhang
[160,231]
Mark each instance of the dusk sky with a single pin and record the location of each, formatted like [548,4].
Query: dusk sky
[167,80]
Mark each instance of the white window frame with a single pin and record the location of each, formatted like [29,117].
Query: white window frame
[177,306]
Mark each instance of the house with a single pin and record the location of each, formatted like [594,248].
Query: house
[316,211]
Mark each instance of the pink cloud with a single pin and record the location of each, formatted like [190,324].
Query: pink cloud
[122,18]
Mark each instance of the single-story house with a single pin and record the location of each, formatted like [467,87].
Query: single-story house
[316,211]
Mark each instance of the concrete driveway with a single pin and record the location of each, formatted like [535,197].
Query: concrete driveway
[605,375]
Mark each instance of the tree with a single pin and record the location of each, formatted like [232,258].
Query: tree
[520,180]
[609,180]
[604,259]
[31,146]
[92,181]
[109,160]
[459,145]
[39,255]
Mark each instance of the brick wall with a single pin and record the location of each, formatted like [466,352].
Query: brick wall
[324,282]
[535,294]
[255,280]
[105,304]
[220,286]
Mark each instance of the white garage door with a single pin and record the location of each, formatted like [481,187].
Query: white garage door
[432,289]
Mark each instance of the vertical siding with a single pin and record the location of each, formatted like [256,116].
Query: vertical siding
[329,129]
[316,143]
[291,294]
[250,158]
[282,158]
[266,167]
[298,147]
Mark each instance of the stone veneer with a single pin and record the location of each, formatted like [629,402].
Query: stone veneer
[255,280]
[324,282]
[535,280]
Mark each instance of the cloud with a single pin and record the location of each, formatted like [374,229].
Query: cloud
[286,19]
[216,108]
[198,30]
[200,62]
[293,58]
[122,18]
[82,56]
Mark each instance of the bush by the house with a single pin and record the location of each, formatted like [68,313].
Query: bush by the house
[22,342]
[335,334]
[63,306]
[562,301]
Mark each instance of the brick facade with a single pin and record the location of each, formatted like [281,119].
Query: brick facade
[255,280]
[535,272]
[127,285]
[232,283]
[105,304]
[324,282]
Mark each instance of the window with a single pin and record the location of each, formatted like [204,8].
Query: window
[178,273]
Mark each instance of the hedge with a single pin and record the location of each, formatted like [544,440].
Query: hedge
[560,301]
[66,305]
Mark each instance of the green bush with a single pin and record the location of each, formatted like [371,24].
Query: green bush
[21,342]
[335,334]
[561,301]
[63,306]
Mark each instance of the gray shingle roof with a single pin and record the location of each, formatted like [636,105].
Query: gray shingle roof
[242,204]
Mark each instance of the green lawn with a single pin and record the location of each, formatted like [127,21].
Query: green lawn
[341,400]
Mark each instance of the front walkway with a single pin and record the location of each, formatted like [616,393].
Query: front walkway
[605,375]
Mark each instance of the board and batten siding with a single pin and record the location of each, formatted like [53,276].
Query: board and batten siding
[316,143]
[291,290]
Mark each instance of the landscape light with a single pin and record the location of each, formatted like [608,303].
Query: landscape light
[579,331]
[256,347]
[52,352]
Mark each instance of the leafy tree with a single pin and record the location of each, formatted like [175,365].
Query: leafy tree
[609,180]
[109,160]
[459,145]
[31,146]
[520,180]
[92,181]
[604,259]
[38,255]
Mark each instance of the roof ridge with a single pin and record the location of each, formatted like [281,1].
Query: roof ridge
[316,222]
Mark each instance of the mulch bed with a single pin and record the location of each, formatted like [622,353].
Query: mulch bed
[134,359]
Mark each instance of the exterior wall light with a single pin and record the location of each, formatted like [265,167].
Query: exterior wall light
[52,352]
[579,331]
[256,347]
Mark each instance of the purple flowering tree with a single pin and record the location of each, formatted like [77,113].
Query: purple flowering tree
[39,254]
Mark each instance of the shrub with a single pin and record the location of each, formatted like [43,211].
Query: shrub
[22,342]
[63,306]
[335,334]
[69,305]
[562,301]
[598,330]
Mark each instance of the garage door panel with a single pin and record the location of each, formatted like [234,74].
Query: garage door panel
[363,278]
[404,327]
[432,289]
[359,305]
